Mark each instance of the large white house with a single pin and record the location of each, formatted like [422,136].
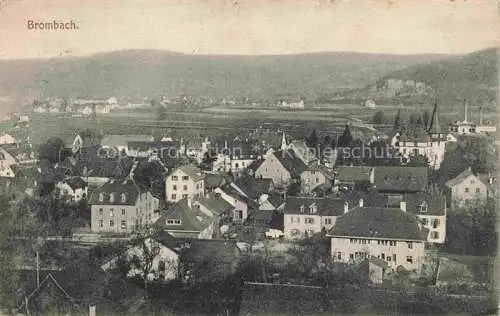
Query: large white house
[185,182]
[304,216]
[390,234]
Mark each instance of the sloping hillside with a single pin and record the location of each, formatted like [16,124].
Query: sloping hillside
[473,77]
[150,72]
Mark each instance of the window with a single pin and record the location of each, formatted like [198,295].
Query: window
[101,223]
[435,223]
[123,197]
[185,187]
[184,196]
[478,190]
[173,197]
[174,187]
[317,180]
[123,211]
[388,258]
[394,257]
[185,178]
[123,225]
[410,245]
[328,221]
[351,256]
[101,197]
[382,256]
[197,186]
[112,197]
[302,208]
[409,259]
[173,221]
[111,212]
[423,207]
[111,223]
[175,178]
[425,221]
[434,235]
[309,220]
[466,190]
[339,255]
[392,243]
[101,211]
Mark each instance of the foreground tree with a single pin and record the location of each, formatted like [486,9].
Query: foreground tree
[378,118]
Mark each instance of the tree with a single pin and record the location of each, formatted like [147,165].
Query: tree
[346,138]
[313,140]
[397,121]
[208,161]
[378,118]
[52,150]
[426,118]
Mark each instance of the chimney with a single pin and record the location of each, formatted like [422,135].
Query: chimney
[346,207]
[402,206]
[361,202]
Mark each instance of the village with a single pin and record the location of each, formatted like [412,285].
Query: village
[263,207]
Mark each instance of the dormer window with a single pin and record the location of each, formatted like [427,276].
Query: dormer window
[173,221]
[422,207]
[123,197]
[101,197]
[112,197]
[312,209]
[302,208]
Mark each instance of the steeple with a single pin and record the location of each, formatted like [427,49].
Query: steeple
[434,126]
[465,116]
[283,142]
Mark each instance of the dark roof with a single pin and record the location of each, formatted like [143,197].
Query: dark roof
[370,199]
[329,174]
[216,204]
[91,164]
[162,147]
[76,183]
[461,177]
[352,174]
[324,206]
[276,199]
[377,222]
[254,187]
[425,204]
[237,195]
[213,181]
[401,178]
[291,162]
[263,215]
[255,164]
[130,190]
[191,218]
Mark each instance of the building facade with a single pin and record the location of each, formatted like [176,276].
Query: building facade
[183,183]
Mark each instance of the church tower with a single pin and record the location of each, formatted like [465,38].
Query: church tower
[283,142]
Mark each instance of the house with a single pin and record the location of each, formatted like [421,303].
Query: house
[303,152]
[397,180]
[214,206]
[6,158]
[97,170]
[120,142]
[271,202]
[121,207]
[253,188]
[237,201]
[6,139]
[156,149]
[390,234]
[73,187]
[305,216]
[282,167]
[314,177]
[215,180]
[165,263]
[85,139]
[184,219]
[354,175]
[185,182]
[466,187]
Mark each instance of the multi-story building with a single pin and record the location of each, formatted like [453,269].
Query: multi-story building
[121,207]
[183,183]
[314,177]
[466,187]
[304,216]
[390,234]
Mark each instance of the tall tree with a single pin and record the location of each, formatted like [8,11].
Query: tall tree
[346,138]
[397,121]
[426,118]
[313,140]
[378,118]
[52,150]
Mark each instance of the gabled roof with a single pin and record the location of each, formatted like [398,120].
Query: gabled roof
[353,174]
[216,204]
[425,204]
[325,206]
[111,193]
[192,219]
[254,187]
[276,199]
[291,162]
[329,174]
[122,140]
[193,172]
[91,164]
[377,222]
[461,177]
[401,178]
[75,183]
[255,164]
[213,181]
[162,147]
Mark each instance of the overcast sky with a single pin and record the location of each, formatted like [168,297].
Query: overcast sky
[249,26]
